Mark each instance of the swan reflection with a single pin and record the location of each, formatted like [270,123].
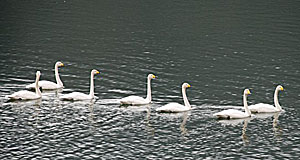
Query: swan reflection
[30,108]
[236,122]
[277,129]
[149,127]
[91,110]
[91,115]
[182,125]
[37,110]
[183,115]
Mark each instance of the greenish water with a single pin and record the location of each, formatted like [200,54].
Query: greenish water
[220,48]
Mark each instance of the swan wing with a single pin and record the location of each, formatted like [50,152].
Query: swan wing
[134,100]
[262,108]
[172,107]
[23,95]
[230,114]
[45,85]
[75,96]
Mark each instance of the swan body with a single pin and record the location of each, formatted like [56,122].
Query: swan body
[267,108]
[173,108]
[263,108]
[231,114]
[78,96]
[235,114]
[176,107]
[27,95]
[136,100]
[48,85]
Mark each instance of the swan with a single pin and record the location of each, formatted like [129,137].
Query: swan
[176,107]
[136,100]
[267,108]
[76,96]
[48,85]
[235,114]
[27,95]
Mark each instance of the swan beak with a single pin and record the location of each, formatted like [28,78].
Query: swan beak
[97,72]
[154,77]
[189,86]
[281,88]
[61,65]
[248,92]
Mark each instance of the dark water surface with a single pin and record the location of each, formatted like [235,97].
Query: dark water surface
[220,48]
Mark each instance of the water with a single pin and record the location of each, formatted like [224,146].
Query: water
[220,48]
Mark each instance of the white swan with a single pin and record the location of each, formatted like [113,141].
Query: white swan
[234,114]
[136,100]
[176,107]
[48,84]
[27,95]
[76,96]
[267,108]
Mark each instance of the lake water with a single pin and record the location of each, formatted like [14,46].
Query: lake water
[220,48]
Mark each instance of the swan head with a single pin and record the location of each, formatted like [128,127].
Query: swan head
[247,92]
[186,85]
[38,73]
[279,87]
[151,76]
[94,71]
[59,64]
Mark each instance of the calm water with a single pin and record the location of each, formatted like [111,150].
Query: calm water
[220,48]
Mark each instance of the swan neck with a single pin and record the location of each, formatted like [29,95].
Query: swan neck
[92,86]
[276,102]
[248,112]
[58,81]
[149,96]
[37,88]
[185,99]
